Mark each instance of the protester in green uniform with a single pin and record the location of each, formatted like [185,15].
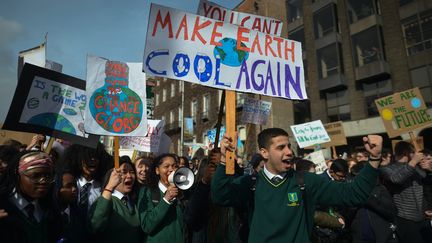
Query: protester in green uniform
[281,213]
[159,204]
[114,216]
[24,196]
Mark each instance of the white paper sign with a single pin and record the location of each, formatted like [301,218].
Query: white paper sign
[310,133]
[255,111]
[149,143]
[117,98]
[196,49]
[262,24]
[318,158]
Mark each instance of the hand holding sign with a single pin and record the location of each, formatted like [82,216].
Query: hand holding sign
[227,144]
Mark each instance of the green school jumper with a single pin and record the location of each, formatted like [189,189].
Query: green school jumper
[279,214]
[162,222]
[112,221]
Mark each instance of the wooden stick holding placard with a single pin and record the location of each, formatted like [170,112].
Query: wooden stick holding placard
[335,156]
[49,146]
[134,154]
[116,153]
[414,141]
[230,100]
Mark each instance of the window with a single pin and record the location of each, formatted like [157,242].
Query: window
[329,60]
[422,78]
[194,109]
[171,117]
[417,31]
[359,9]
[179,147]
[298,35]
[373,91]
[157,99]
[294,10]
[302,112]
[367,46]
[325,21]
[180,118]
[172,90]
[338,108]
[164,93]
[206,103]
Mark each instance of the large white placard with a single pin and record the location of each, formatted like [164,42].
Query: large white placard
[149,143]
[204,51]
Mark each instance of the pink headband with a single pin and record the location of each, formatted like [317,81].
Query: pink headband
[34,160]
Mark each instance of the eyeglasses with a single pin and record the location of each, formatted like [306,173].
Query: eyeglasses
[40,177]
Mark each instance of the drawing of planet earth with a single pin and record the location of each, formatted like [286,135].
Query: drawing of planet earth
[54,121]
[229,54]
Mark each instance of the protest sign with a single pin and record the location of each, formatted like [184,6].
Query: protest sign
[318,159]
[49,103]
[35,56]
[403,112]
[310,133]
[336,133]
[150,101]
[200,50]
[117,98]
[262,24]
[149,143]
[255,111]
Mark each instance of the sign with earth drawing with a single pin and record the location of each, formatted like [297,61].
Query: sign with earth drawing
[196,49]
[50,103]
[403,112]
[117,98]
[262,24]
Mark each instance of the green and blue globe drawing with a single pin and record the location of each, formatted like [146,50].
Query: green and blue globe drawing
[54,121]
[229,54]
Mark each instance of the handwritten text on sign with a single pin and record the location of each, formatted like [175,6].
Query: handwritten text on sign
[55,105]
[310,133]
[255,111]
[196,49]
[254,22]
[403,112]
[149,143]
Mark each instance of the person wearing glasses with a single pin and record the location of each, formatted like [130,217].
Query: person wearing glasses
[24,196]
[114,216]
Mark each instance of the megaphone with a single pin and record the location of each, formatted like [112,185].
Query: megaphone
[183,178]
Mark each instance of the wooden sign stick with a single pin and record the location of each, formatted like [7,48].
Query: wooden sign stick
[116,153]
[49,146]
[414,141]
[230,122]
[335,156]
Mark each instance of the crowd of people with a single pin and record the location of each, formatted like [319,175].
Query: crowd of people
[74,194]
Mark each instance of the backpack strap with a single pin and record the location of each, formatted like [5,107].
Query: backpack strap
[301,184]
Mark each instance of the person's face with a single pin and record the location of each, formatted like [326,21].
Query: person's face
[182,162]
[34,183]
[128,178]
[279,155]
[165,169]
[90,167]
[68,191]
[3,165]
[361,157]
[338,176]
[142,171]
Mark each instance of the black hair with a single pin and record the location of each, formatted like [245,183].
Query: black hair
[8,152]
[355,170]
[265,137]
[303,164]
[14,143]
[426,152]
[107,176]
[185,159]
[339,165]
[385,152]
[403,148]
[144,159]
[125,158]
[153,177]
[75,154]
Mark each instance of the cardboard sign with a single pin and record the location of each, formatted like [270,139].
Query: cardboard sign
[319,160]
[149,143]
[403,112]
[262,24]
[117,98]
[310,133]
[255,111]
[204,51]
[50,103]
[336,133]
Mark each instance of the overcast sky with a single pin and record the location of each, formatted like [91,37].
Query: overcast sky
[106,28]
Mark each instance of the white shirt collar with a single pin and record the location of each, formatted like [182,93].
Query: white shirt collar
[328,173]
[118,194]
[162,187]
[271,175]
[20,202]
[82,181]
